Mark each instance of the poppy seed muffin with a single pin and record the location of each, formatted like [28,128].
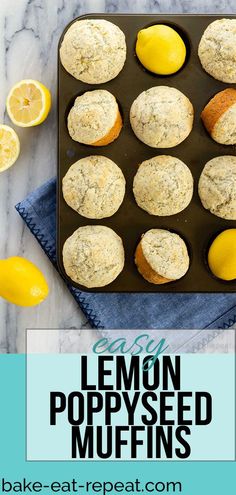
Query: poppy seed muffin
[219,117]
[94,187]
[95,118]
[217,50]
[93,50]
[163,186]
[217,187]
[161,256]
[162,117]
[93,256]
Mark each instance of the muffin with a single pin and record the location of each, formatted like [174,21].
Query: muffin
[93,50]
[217,187]
[163,186]
[219,117]
[95,118]
[94,187]
[162,117]
[160,49]
[161,256]
[93,256]
[217,50]
[222,255]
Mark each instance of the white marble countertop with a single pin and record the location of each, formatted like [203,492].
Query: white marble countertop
[30,30]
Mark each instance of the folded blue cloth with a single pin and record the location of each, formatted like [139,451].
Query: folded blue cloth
[121,311]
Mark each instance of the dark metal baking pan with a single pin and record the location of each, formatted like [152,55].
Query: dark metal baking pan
[196,225]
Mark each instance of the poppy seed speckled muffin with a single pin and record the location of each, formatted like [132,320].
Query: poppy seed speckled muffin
[217,50]
[93,256]
[93,50]
[217,187]
[219,117]
[163,186]
[161,256]
[94,187]
[162,117]
[95,118]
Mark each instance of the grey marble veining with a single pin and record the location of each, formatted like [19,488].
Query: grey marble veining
[30,30]
[171,6]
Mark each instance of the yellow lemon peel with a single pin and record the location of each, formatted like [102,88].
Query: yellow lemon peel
[222,255]
[21,282]
[161,49]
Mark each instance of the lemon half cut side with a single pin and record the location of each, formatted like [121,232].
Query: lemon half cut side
[9,147]
[28,103]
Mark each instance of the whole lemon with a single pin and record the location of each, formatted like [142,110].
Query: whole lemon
[21,282]
[161,49]
[222,255]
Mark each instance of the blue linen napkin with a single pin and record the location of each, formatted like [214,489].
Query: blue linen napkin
[122,311]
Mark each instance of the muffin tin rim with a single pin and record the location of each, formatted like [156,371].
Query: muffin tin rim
[163,17]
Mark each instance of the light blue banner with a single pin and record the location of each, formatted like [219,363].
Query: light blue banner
[195,477]
[211,373]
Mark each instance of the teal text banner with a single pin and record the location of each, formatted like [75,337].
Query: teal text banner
[205,374]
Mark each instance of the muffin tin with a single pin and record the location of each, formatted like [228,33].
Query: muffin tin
[195,225]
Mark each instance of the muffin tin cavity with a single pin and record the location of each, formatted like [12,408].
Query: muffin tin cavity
[205,253]
[183,35]
[101,54]
[96,108]
[187,245]
[195,225]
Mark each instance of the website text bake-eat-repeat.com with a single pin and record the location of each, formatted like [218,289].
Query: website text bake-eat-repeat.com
[102,487]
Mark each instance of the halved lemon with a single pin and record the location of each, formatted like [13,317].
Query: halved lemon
[9,147]
[28,103]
